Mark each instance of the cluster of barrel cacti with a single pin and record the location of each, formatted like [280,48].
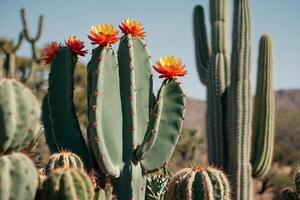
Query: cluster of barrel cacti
[8,52]
[230,131]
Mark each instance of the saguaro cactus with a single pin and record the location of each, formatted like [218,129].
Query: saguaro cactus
[229,119]
[131,132]
[19,116]
[205,183]
[18,177]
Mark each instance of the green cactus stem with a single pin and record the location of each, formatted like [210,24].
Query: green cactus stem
[19,116]
[18,177]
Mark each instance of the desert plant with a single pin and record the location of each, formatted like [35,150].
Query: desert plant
[18,177]
[156,187]
[67,184]
[131,132]
[199,182]
[288,193]
[229,119]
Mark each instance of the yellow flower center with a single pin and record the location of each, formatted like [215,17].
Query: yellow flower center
[107,29]
[170,61]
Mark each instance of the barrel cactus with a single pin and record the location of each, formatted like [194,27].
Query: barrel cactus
[63,160]
[131,132]
[288,193]
[199,182]
[19,116]
[67,184]
[229,96]
[18,177]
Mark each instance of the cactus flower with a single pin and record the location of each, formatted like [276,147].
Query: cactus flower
[169,67]
[76,45]
[132,27]
[103,34]
[50,51]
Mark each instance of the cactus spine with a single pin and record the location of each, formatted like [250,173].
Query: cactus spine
[156,187]
[199,183]
[18,177]
[229,119]
[63,160]
[19,116]
[67,184]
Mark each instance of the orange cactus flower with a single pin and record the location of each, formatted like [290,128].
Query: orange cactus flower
[169,67]
[76,45]
[103,34]
[50,51]
[133,27]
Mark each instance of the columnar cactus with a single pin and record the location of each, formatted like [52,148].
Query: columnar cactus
[32,40]
[229,119]
[205,183]
[18,177]
[156,187]
[63,160]
[67,184]
[131,132]
[19,116]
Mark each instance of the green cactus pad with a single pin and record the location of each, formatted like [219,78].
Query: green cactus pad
[63,160]
[104,110]
[67,184]
[19,116]
[66,130]
[165,126]
[18,177]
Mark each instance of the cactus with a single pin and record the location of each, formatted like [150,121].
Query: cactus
[199,182]
[18,177]
[229,120]
[100,195]
[19,116]
[8,64]
[32,40]
[63,160]
[128,135]
[67,183]
[288,193]
[156,187]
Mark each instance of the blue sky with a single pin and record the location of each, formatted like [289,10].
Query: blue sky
[168,24]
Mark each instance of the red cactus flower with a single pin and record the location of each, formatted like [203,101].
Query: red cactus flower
[76,45]
[50,51]
[103,34]
[169,67]
[132,27]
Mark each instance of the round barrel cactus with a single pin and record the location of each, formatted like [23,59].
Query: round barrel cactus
[67,184]
[63,159]
[199,182]
[19,116]
[18,177]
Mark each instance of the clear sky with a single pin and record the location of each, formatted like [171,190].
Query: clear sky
[168,24]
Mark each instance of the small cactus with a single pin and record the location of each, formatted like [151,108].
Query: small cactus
[63,160]
[19,116]
[199,182]
[156,187]
[67,184]
[18,177]
[288,194]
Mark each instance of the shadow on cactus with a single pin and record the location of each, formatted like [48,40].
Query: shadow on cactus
[131,131]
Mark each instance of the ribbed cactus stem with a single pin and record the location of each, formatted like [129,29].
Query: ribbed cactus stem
[297,183]
[264,116]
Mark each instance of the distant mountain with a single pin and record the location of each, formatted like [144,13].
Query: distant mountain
[195,117]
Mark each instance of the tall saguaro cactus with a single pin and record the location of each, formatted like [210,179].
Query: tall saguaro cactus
[229,114]
[32,40]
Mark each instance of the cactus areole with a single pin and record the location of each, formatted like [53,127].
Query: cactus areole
[131,131]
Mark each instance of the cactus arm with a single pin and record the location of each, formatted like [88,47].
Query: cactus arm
[66,128]
[19,43]
[264,111]
[48,131]
[201,44]
[104,105]
[167,126]
[136,86]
